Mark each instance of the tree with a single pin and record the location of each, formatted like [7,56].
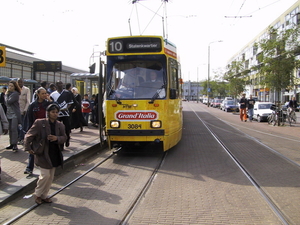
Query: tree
[278,59]
[236,76]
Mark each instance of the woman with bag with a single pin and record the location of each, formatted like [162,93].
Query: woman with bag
[53,132]
[13,113]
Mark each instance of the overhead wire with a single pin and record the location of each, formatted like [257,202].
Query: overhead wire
[138,19]
[135,2]
[264,7]
[155,13]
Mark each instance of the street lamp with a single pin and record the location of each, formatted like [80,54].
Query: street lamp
[208,65]
[198,82]
[93,55]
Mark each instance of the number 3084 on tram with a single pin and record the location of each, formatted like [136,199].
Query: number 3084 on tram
[143,92]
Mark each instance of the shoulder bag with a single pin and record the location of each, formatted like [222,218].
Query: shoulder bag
[38,146]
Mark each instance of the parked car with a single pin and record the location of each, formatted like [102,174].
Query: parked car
[205,101]
[229,106]
[216,103]
[261,111]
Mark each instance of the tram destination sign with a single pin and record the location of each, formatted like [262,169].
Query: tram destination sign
[47,66]
[134,45]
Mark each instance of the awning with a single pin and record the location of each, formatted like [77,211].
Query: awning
[4,79]
[26,81]
[289,93]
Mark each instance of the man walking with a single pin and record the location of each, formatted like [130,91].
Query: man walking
[243,108]
[250,104]
[64,99]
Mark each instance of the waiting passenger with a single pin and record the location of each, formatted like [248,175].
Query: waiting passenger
[51,156]
[13,113]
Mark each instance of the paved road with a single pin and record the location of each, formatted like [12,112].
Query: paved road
[197,184]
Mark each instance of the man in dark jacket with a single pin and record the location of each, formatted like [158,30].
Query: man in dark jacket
[243,108]
[2,98]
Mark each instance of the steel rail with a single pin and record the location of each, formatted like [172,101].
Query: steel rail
[20,215]
[142,193]
[272,205]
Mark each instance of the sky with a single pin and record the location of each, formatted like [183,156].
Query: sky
[70,31]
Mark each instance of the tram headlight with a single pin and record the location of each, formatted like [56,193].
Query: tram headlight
[115,124]
[155,124]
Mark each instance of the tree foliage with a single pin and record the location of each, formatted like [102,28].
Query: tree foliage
[236,76]
[278,58]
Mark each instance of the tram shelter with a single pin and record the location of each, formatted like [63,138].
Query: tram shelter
[86,83]
[27,82]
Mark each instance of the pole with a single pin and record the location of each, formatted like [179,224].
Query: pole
[208,72]
[100,102]
[208,66]
[197,86]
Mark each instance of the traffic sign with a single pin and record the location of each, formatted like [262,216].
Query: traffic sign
[2,56]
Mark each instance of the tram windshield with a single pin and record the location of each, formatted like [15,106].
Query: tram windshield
[137,80]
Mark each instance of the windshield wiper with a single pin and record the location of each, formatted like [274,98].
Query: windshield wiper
[118,100]
[156,94]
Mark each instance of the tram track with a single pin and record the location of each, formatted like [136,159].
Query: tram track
[142,193]
[129,211]
[269,198]
[258,141]
[20,215]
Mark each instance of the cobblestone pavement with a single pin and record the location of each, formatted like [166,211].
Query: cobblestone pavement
[13,164]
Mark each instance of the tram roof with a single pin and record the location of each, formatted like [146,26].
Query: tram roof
[85,75]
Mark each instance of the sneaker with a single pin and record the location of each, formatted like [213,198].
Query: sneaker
[28,172]
[21,142]
[15,148]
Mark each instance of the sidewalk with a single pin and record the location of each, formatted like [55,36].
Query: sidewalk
[13,180]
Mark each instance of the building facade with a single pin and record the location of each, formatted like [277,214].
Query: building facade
[192,91]
[248,55]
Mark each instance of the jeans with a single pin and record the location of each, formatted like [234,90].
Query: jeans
[250,114]
[86,117]
[30,162]
[21,132]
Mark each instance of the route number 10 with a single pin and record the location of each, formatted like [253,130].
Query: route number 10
[116,46]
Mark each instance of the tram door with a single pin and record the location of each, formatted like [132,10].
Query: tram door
[80,86]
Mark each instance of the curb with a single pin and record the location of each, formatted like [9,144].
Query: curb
[29,183]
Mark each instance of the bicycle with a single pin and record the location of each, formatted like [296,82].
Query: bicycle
[277,116]
[272,118]
[291,116]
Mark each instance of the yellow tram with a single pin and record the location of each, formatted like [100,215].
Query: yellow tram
[143,92]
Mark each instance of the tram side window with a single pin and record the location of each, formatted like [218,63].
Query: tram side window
[174,82]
